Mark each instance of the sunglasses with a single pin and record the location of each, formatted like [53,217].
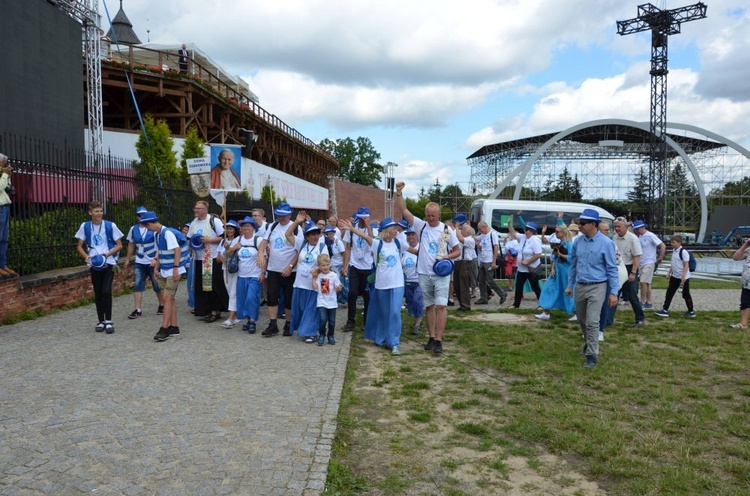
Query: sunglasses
[582,223]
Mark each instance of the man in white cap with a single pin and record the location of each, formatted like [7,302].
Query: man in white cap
[141,242]
[436,242]
[357,266]
[593,274]
[650,260]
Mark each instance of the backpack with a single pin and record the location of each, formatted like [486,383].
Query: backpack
[692,264]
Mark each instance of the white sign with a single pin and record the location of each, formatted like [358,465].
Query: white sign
[298,193]
[201,165]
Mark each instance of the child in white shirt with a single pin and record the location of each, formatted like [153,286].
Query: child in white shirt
[326,283]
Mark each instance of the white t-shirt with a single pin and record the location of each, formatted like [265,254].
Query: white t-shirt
[629,246]
[327,284]
[360,256]
[410,266]
[281,252]
[678,263]
[203,227]
[468,250]
[337,253]
[140,253]
[529,247]
[307,261]
[97,245]
[434,244]
[389,273]
[248,255]
[487,241]
[171,245]
[650,243]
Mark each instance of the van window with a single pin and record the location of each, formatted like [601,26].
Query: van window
[540,218]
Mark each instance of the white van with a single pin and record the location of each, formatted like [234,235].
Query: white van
[497,212]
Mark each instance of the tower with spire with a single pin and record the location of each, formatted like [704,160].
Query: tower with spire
[123,28]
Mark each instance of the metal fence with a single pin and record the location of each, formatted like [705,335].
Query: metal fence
[52,190]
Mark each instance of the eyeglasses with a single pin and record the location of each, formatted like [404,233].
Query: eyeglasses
[582,223]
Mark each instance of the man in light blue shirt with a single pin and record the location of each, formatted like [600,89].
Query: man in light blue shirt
[593,269]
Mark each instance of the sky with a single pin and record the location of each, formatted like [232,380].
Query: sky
[430,82]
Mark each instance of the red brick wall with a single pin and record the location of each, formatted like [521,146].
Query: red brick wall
[347,197]
[52,290]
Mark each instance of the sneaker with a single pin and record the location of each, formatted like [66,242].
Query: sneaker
[250,327]
[415,330]
[395,351]
[160,310]
[661,313]
[287,329]
[227,324]
[601,336]
[590,361]
[331,340]
[271,330]
[173,330]
[438,349]
[574,318]
[503,298]
[310,339]
[738,325]
[109,328]
[135,314]
[99,327]
[430,345]
[648,306]
[451,303]
[246,325]
[640,323]
[162,335]
[690,314]
[349,327]
[321,340]
[542,316]
[480,301]
[282,316]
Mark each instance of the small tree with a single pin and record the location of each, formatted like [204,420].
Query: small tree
[192,147]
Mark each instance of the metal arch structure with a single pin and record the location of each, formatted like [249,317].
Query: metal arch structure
[595,142]
[87,13]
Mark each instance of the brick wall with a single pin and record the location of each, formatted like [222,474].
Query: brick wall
[347,197]
[52,290]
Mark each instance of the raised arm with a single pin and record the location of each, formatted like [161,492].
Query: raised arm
[400,203]
[301,218]
[362,234]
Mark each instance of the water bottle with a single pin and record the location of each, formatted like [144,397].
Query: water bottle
[679,290]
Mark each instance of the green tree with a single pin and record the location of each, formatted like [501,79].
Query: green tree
[732,193]
[192,147]
[638,196]
[683,202]
[358,160]
[268,194]
[566,188]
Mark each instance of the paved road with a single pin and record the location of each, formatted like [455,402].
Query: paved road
[213,411]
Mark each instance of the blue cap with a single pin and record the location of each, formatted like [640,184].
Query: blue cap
[98,262]
[362,212]
[386,223]
[411,231]
[148,217]
[638,224]
[311,227]
[513,252]
[283,209]
[460,218]
[442,268]
[140,210]
[403,223]
[532,226]
[196,243]
[329,229]
[249,220]
[589,214]
[234,224]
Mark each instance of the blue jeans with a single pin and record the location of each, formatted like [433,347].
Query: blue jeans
[326,316]
[142,272]
[4,230]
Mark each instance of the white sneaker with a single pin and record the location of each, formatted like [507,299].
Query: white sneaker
[236,321]
[574,318]
[228,324]
[542,316]
[601,336]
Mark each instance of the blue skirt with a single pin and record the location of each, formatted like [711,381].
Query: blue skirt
[384,317]
[553,293]
[305,312]
[248,297]
[414,304]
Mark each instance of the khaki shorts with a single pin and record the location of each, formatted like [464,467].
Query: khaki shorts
[168,285]
[646,273]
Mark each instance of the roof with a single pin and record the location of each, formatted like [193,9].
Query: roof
[123,28]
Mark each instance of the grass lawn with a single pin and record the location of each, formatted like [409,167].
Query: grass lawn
[666,411]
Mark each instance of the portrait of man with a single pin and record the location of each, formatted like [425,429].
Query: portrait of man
[226,173]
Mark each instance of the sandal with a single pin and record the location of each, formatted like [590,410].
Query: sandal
[211,318]
[738,326]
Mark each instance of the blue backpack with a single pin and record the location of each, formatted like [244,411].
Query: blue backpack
[692,264]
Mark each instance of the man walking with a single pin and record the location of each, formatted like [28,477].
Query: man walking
[489,245]
[436,243]
[141,241]
[593,274]
[630,250]
[650,243]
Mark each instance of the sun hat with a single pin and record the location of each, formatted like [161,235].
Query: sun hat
[460,218]
[140,210]
[443,267]
[386,223]
[532,226]
[590,215]
[362,212]
[403,223]
[148,217]
[196,242]
[311,227]
[249,220]
[638,224]
[573,227]
[283,209]
[98,262]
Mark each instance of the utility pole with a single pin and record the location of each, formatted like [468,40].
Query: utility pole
[661,23]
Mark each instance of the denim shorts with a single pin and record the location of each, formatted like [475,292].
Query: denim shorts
[143,271]
[434,289]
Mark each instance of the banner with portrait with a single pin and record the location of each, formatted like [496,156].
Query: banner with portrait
[226,167]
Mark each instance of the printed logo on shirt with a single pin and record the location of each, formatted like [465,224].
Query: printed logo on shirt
[278,243]
[325,286]
[244,253]
[409,262]
[390,261]
[432,248]
[98,240]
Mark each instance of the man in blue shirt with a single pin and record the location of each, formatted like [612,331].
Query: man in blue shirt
[593,269]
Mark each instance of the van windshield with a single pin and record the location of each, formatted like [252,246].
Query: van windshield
[500,219]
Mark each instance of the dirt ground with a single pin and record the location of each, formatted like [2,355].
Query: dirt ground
[421,424]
